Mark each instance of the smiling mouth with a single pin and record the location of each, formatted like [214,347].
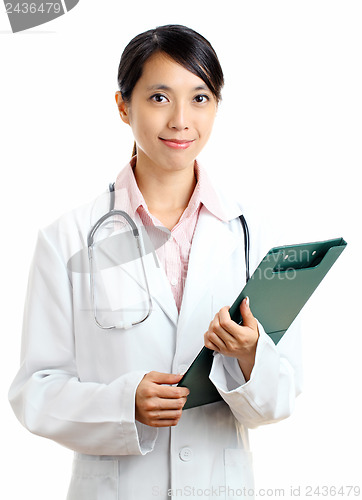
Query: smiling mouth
[177,143]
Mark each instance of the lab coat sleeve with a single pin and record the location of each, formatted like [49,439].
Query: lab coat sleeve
[274,383]
[47,396]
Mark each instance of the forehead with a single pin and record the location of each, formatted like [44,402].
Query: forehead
[161,70]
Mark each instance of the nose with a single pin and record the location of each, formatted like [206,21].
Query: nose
[179,119]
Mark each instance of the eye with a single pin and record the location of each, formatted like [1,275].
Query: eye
[158,98]
[201,98]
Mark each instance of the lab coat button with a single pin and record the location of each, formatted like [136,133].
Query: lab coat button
[174,281]
[186,454]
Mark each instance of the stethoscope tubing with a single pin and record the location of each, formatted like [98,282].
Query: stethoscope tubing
[241,217]
[111,213]
[90,241]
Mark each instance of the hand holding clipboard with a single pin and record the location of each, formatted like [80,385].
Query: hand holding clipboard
[279,288]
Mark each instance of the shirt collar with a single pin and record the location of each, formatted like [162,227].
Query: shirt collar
[205,193]
[129,198]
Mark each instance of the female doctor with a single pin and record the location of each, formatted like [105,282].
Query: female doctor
[111,395]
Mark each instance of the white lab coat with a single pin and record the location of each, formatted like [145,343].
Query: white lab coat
[77,383]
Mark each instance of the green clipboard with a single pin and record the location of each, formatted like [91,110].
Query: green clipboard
[279,288]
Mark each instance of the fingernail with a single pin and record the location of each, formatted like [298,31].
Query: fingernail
[247,301]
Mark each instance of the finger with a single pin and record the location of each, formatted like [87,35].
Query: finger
[164,378]
[209,344]
[228,328]
[162,418]
[222,330]
[166,414]
[162,404]
[168,392]
[163,422]
[247,315]
[213,341]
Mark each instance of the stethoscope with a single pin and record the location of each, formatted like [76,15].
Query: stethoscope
[91,241]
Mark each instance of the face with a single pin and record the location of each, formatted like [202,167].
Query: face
[171,114]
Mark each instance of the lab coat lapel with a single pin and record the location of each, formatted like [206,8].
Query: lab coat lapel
[212,244]
[159,285]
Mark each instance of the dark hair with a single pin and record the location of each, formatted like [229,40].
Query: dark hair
[183,45]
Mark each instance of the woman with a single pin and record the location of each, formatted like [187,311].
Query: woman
[112,396]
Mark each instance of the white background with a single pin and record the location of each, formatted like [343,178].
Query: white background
[287,136]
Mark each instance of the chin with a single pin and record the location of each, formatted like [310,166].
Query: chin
[179,165]
[179,160]
[171,161]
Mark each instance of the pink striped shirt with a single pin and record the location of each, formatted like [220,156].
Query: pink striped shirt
[174,254]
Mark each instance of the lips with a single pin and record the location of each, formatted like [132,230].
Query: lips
[177,143]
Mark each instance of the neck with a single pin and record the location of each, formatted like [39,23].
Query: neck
[165,190]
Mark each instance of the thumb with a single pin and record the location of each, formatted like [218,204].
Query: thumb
[246,314]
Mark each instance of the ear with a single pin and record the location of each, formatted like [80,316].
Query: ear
[122,108]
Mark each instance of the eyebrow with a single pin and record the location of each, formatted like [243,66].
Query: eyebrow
[161,86]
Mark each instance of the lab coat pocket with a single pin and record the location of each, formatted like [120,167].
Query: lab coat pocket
[239,480]
[94,480]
